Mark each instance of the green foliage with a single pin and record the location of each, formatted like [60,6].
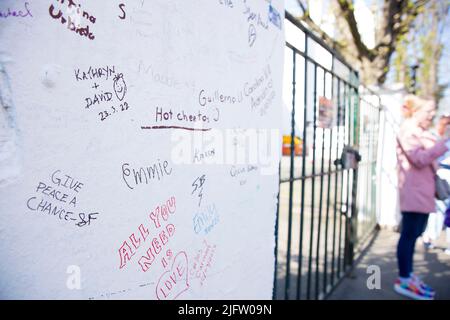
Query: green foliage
[432,23]
[405,37]
[400,62]
[422,45]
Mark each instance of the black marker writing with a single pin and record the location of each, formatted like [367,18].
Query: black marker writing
[121,6]
[144,175]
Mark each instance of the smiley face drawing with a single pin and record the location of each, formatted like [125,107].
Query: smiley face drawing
[120,87]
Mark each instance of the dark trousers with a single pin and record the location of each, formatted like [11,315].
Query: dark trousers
[413,225]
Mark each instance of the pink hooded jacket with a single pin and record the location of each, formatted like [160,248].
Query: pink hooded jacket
[416,169]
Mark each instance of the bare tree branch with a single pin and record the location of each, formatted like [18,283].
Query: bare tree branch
[306,18]
[349,15]
[302,6]
[397,18]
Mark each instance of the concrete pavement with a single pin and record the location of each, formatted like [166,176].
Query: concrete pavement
[433,265]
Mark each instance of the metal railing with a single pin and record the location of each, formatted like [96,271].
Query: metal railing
[325,209]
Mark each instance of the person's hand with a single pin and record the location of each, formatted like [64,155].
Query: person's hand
[447,130]
[444,127]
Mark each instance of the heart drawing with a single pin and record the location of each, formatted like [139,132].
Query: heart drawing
[174,282]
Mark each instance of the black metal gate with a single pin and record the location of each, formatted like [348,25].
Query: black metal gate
[326,206]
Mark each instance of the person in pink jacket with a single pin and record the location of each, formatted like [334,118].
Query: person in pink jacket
[417,154]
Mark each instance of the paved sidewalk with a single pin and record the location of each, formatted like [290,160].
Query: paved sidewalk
[432,265]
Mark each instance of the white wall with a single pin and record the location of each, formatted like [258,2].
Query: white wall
[390,119]
[215,235]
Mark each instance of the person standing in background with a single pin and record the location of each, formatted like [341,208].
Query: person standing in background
[417,154]
[436,219]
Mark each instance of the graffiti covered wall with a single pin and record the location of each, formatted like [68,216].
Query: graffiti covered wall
[139,148]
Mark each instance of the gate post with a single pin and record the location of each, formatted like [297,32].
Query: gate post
[352,221]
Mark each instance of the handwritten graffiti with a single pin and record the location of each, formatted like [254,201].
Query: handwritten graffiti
[254,20]
[175,281]
[59,199]
[17,13]
[158,243]
[120,87]
[203,262]
[275,17]
[161,235]
[114,98]
[205,221]
[198,187]
[121,7]
[251,35]
[95,73]
[106,113]
[260,91]
[227,3]
[72,18]
[145,175]
[199,117]
[205,98]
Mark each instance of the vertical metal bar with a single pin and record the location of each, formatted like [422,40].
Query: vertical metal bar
[362,193]
[347,234]
[357,118]
[381,134]
[275,282]
[378,114]
[319,223]
[336,182]
[342,105]
[369,160]
[302,203]
[374,161]
[311,235]
[355,210]
[354,183]
[374,166]
[291,182]
[325,266]
[369,164]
